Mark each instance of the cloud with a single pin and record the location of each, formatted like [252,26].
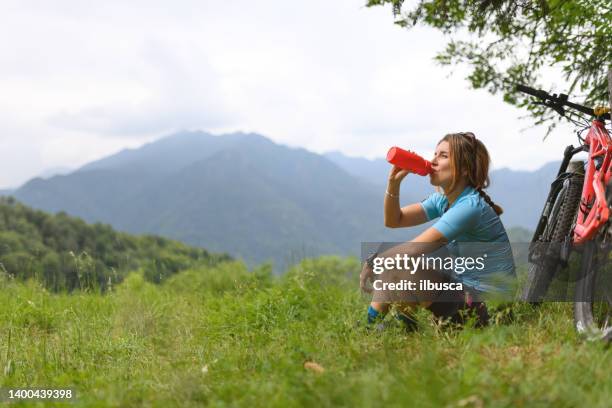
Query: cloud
[82,79]
[177,96]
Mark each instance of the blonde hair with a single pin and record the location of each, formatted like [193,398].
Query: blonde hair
[469,158]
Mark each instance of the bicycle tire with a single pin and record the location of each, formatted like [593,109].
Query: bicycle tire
[594,325]
[559,226]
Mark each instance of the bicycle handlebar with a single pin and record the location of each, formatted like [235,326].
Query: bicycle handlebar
[557,102]
[533,92]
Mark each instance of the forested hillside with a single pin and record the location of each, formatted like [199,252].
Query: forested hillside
[237,193]
[66,253]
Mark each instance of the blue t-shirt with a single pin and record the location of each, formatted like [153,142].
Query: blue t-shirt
[473,229]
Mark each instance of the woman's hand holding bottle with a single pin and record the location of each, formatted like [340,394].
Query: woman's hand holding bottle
[396,175]
[404,162]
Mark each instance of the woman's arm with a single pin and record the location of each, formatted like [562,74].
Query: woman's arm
[407,216]
[396,217]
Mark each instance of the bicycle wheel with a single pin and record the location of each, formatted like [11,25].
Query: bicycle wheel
[593,297]
[562,217]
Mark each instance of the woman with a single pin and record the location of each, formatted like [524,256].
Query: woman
[468,225]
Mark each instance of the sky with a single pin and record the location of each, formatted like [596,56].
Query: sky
[83,80]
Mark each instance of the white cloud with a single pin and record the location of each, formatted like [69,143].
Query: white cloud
[185,95]
[81,80]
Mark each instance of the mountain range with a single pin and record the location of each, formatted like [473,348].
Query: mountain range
[245,195]
[237,193]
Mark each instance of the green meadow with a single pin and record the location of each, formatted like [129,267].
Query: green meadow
[223,335]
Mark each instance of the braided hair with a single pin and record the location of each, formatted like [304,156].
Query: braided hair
[470,159]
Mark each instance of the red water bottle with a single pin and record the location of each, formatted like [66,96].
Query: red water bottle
[409,161]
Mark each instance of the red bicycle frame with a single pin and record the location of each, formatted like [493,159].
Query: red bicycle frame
[594,211]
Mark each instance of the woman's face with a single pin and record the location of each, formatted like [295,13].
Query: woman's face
[442,175]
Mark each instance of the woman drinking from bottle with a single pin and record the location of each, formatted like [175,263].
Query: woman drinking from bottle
[467,227]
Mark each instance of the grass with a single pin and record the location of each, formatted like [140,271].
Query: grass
[226,336]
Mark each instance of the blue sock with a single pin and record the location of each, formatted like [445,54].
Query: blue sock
[373,315]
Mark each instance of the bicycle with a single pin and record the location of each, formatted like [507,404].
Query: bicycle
[576,217]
